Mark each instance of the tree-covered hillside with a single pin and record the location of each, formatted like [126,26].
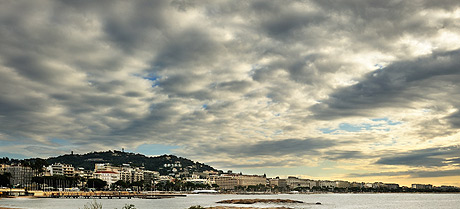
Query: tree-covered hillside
[88,160]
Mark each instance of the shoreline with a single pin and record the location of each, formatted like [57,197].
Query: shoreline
[183,194]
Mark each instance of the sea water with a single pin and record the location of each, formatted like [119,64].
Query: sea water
[390,201]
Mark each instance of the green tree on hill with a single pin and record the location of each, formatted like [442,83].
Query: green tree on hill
[5,179]
[96,183]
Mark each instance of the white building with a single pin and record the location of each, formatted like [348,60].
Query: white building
[199,181]
[109,176]
[61,169]
[294,182]
[105,167]
[327,184]
[129,174]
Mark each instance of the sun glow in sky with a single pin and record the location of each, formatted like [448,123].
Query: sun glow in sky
[350,90]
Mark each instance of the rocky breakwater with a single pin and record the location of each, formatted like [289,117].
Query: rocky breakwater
[228,207]
[252,201]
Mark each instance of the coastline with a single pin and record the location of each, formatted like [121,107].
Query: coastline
[328,201]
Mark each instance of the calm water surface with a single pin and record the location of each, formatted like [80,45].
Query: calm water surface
[390,201]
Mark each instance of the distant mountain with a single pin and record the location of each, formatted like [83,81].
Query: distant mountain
[163,164]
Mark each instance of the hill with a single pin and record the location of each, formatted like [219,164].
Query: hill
[163,164]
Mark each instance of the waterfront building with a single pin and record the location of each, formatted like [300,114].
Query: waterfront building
[55,169]
[327,184]
[150,176]
[208,173]
[60,169]
[422,186]
[129,174]
[294,182]
[356,185]
[164,179]
[20,175]
[369,185]
[68,170]
[199,181]
[392,186]
[86,174]
[224,182]
[250,180]
[231,180]
[274,182]
[277,182]
[109,176]
[376,185]
[342,184]
[200,175]
[446,188]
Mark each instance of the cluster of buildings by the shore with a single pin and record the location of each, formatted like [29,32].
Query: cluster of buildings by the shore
[22,176]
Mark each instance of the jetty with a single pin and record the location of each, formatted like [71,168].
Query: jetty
[109,195]
[90,194]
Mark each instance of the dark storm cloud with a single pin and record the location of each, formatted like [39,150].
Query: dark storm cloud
[278,148]
[285,23]
[397,85]
[190,47]
[135,24]
[235,86]
[270,163]
[430,157]
[127,25]
[454,119]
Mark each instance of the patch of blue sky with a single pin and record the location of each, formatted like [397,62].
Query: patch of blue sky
[388,121]
[327,130]
[361,127]
[154,78]
[348,128]
[13,155]
[379,66]
[156,149]
[204,106]
[355,128]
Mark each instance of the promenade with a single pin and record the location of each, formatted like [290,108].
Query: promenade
[89,195]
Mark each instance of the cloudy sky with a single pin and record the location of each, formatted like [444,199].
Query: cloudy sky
[351,90]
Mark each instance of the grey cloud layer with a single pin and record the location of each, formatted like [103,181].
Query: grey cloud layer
[412,173]
[397,85]
[278,148]
[431,157]
[232,78]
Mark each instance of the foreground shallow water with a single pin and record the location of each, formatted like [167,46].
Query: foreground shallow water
[390,201]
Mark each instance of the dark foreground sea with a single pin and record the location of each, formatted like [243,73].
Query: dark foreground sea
[390,201]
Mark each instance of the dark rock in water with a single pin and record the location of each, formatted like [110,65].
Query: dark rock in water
[252,201]
[230,207]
